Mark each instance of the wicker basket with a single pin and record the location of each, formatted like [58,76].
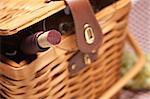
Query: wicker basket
[47,77]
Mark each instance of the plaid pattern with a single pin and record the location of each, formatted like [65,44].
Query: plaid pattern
[139,22]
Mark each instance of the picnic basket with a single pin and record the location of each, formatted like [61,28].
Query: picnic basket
[48,76]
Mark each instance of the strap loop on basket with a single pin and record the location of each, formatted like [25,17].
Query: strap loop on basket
[80,61]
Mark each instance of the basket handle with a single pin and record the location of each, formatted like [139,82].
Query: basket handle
[131,73]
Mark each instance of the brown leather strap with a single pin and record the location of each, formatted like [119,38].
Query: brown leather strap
[88,31]
[80,61]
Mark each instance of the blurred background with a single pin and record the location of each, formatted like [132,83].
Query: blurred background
[139,25]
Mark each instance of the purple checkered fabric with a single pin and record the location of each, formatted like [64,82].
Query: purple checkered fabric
[139,22]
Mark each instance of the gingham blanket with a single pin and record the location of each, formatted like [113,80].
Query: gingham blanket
[139,22]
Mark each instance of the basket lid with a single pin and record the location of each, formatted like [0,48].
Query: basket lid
[16,15]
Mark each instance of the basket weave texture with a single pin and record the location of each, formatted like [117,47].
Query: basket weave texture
[47,77]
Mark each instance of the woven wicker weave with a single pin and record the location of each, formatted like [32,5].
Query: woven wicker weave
[47,77]
[17,15]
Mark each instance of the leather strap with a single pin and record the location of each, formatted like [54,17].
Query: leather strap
[88,31]
[88,35]
[79,61]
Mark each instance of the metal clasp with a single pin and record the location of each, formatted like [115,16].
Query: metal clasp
[89,34]
[87,59]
